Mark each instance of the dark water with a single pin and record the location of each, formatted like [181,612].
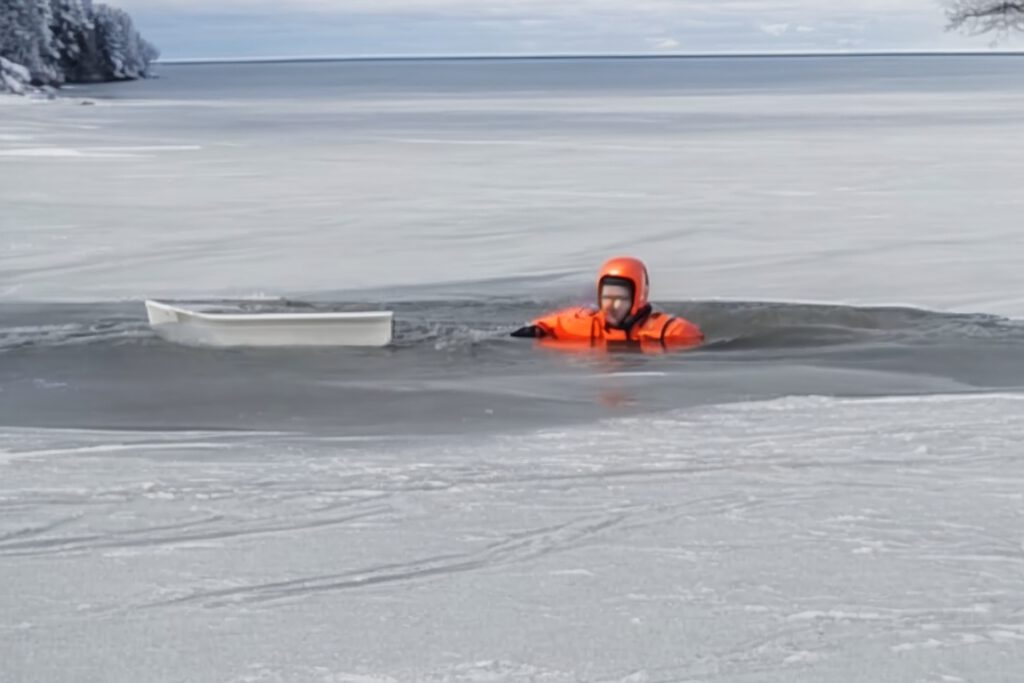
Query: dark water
[329,79]
[453,369]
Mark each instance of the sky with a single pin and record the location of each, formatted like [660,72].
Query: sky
[184,29]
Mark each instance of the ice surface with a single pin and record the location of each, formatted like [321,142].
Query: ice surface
[796,192]
[803,539]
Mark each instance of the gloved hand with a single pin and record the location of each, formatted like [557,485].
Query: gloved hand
[529,332]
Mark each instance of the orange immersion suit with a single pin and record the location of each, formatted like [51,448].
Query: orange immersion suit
[644,328]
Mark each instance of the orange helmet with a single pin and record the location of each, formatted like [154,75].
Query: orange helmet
[630,271]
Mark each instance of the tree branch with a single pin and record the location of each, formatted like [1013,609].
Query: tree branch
[986,16]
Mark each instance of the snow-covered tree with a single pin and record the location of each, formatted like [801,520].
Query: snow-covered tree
[73,34]
[986,16]
[25,37]
[124,53]
[59,41]
[14,78]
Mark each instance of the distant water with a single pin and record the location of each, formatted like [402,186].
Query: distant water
[829,490]
[320,80]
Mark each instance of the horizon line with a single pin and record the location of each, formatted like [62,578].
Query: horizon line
[589,55]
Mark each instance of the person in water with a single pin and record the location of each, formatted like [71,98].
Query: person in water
[624,316]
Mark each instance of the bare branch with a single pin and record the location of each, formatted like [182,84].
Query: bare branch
[986,16]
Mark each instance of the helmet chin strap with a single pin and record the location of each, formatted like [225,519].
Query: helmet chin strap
[628,322]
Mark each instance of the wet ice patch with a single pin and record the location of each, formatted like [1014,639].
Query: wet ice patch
[51,152]
[112,152]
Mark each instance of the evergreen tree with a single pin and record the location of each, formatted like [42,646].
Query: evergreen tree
[57,41]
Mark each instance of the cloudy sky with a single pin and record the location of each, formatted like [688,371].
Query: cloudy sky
[253,28]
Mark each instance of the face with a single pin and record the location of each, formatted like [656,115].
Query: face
[616,300]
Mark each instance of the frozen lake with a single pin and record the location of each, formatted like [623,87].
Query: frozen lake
[830,490]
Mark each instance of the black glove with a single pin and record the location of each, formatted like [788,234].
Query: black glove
[529,332]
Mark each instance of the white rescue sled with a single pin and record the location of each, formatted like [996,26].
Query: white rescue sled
[197,328]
